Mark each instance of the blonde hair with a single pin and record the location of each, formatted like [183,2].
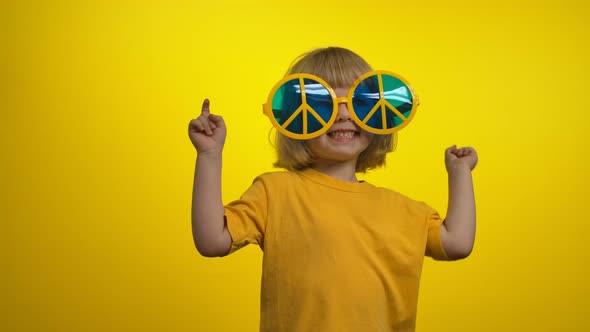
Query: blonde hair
[339,67]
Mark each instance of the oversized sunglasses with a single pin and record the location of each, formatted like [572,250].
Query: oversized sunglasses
[304,106]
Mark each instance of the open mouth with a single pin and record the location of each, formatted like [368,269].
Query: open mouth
[343,134]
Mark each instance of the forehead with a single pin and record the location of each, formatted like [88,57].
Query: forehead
[341,78]
[341,92]
[337,72]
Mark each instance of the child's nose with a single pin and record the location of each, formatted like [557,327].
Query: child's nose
[343,113]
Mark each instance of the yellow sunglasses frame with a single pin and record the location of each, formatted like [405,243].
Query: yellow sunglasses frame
[382,104]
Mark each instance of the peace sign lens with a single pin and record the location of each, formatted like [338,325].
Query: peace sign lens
[382,102]
[302,106]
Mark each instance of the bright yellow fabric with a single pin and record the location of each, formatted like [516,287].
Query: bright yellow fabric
[338,256]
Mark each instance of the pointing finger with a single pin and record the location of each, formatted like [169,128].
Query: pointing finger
[205,109]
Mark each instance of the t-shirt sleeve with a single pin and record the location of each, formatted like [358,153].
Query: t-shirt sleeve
[434,246]
[246,217]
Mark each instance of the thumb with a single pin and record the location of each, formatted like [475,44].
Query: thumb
[450,153]
[450,150]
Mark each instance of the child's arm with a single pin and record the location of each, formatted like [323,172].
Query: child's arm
[210,234]
[458,229]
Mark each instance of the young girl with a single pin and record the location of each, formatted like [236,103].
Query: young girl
[339,254]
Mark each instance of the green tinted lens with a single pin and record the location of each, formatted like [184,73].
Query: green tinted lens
[398,95]
[286,101]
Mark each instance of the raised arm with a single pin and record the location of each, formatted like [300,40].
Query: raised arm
[458,229]
[210,234]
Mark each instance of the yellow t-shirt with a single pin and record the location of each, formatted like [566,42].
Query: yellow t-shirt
[338,256]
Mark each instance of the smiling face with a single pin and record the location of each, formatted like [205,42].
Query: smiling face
[343,142]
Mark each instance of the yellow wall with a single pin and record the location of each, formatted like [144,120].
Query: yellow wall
[96,169]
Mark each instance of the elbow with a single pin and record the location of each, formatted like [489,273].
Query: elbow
[211,248]
[457,245]
[210,251]
[211,244]
[459,252]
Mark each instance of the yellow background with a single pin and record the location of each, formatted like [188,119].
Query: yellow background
[96,168]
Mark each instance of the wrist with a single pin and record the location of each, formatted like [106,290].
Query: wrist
[458,169]
[212,155]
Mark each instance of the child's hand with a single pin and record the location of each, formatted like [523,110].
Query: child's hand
[207,132]
[465,158]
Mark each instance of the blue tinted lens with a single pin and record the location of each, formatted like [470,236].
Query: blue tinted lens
[320,101]
[288,99]
[364,99]
[396,95]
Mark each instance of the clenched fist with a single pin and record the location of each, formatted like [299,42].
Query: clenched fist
[455,158]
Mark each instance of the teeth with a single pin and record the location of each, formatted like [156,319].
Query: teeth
[342,134]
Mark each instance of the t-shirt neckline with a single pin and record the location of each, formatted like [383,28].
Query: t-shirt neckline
[332,182]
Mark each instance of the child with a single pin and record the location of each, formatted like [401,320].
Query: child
[339,254]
